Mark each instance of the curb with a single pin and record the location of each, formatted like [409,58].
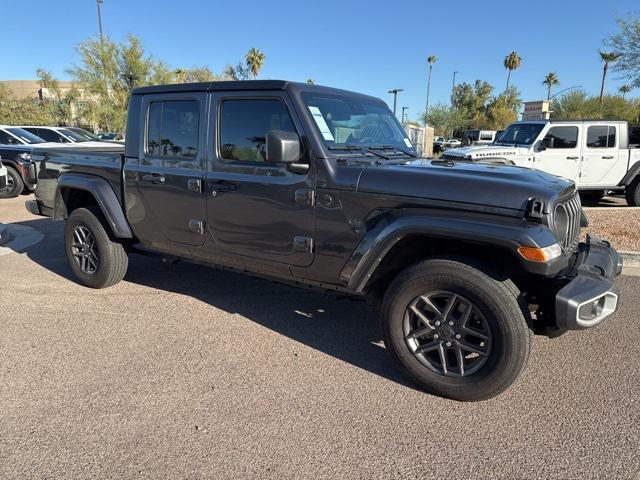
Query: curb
[630,258]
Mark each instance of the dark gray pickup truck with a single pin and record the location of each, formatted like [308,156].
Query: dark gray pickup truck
[320,187]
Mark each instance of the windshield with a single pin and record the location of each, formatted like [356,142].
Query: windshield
[84,133]
[73,135]
[353,120]
[520,134]
[27,137]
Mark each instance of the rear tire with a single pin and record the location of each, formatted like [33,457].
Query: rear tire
[14,183]
[96,260]
[491,341]
[632,193]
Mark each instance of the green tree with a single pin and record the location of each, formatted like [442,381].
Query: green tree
[579,105]
[472,100]
[236,72]
[626,44]
[255,59]
[551,80]
[624,89]
[311,81]
[431,59]
[607,58]
[511,62]
[444,119]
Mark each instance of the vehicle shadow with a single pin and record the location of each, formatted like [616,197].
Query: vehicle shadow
[340,327]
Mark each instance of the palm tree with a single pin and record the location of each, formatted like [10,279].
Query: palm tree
[255,60]
[607,58]
[512,62]
[551,80]
[311,81]
[431,59]
[624,89]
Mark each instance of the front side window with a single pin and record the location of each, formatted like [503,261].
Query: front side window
[172,128]
[601,136]
[354,120]
[244,125]
[563,137]
[5,138]
[27,137]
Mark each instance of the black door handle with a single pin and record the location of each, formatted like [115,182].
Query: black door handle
[154,178]
[222,187]
[607,157]
[573,158]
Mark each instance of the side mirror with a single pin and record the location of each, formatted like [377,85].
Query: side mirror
[284,147]
[547,142]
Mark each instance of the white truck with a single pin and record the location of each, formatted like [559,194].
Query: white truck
[599,156]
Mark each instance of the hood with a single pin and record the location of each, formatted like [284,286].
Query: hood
[488,151]
[500,186]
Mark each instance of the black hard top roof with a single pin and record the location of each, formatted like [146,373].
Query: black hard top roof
[239,85]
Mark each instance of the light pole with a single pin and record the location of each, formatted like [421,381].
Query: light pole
[98,3]
[395,92]
[453,90]
[564,90]
[404,109]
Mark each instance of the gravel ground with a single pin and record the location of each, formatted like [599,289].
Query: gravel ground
[181,371]
[620,226]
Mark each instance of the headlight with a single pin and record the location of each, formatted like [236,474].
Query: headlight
[542,255]
[25,156]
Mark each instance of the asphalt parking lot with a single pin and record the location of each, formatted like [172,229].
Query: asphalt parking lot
[186,372]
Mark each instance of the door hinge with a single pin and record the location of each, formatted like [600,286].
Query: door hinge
[303,244]
[196,226]
[305,196]
[194,185]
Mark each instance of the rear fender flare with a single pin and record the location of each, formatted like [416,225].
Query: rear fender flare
[105,198]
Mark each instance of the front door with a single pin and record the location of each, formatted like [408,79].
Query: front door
[170,171]
[601,164]
[255,208]
[563,153]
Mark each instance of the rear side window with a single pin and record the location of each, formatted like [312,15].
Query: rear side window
[601,136]
[563,137]
[244,125]
[634,137]
[172,128]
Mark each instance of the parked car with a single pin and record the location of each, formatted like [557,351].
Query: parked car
[438,144]
[478,137]
[111,137]
[596,155]
[21,173]
[62,135]
[3,177]
[10,135]
[319,187]
[452,143]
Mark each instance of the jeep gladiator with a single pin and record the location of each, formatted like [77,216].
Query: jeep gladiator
[319,187]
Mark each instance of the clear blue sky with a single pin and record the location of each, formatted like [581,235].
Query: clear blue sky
[369,46]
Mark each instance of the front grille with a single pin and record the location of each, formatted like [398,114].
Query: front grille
[566,222]
[448,156]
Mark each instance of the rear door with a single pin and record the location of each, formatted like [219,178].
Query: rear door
[170,170]
[563,154]
[255,208]
[602,164]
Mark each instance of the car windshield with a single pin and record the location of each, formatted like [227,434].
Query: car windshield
[520,134]
[27,137]
[351,120]
[73,135]
[83,133]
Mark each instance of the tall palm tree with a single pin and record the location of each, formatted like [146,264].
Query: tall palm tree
[512,62]
[431,59]
[255,60]
[551,80]
[607,58]
[624,89]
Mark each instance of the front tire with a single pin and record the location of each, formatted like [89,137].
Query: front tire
[632,193]
[456,329]
[15,185]
[96,260]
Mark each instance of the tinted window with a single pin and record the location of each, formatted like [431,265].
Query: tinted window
[172,129]
[49,135]
[244,125]
[5,138]
[634,137]
[601,136]
[563,137]
[25,136]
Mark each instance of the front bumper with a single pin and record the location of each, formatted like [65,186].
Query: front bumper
[590,296]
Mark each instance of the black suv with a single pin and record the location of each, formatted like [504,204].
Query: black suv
[320,187]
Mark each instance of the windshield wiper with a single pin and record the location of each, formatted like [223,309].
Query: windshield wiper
[349,148]
[392,147]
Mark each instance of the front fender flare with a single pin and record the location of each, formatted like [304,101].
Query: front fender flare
[507,233]
[104,195]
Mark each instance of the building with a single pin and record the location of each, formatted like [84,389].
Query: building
[538,110]
[423,142]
